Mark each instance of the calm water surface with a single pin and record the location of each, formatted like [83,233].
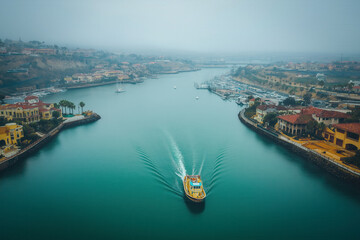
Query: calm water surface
[120,177]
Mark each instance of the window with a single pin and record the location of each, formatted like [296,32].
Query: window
[339,142]
[353,136]
[340,130]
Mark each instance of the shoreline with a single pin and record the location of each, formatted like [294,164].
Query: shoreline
[38,144]
[325,163]
[100,84]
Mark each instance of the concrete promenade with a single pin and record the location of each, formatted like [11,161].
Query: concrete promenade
[9,161]
[330,164]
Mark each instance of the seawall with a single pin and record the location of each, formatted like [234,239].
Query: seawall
[35,146]
[327,164]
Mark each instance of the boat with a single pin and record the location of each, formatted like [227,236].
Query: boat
[193,188]
[197,98]
[174,87]
[119,90]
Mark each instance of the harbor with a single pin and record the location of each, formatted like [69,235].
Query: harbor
[91,174]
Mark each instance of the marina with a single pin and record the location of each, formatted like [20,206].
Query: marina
[108,178]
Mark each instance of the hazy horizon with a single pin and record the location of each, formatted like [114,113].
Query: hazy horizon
[203,27]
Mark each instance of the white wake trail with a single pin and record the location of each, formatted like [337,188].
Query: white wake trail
[202,164]
[179,159]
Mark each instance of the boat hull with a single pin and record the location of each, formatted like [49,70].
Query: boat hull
[196,200]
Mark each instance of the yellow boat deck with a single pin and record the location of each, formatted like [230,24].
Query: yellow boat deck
[193,187]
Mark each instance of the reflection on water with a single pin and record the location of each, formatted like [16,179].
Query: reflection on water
[129,164]
[195,208]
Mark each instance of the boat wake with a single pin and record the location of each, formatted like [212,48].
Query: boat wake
[217,170]
[153,169]
[171,173]
[177,159]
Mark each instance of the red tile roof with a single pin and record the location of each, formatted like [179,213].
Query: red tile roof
[331,114]
[282,108]
[296,118]
[18,105]
[349,127]
[26,105]
[264,107]
[31,97]
[310,110]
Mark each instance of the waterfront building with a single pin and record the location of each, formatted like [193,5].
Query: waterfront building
[330,117]
[251,102]
[356,89]
[42,51]
[327,117]
[294,124]
[262,111]
[11,134]
[32,110]
[345,135]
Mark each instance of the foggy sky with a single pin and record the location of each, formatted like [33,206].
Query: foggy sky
[223,26]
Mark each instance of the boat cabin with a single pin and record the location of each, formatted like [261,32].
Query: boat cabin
[195,186]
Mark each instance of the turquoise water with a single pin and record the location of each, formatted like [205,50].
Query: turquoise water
[120,177]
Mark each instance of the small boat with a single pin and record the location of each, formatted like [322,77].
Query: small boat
[174,87]
[119,90]
[193,188]
[197,98]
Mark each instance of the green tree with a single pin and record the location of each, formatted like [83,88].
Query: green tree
[2,97]
[350,86]
[71,106]
[271,119]
[311,128]
[290,101]
[82,105]
[62,104]
[307,98]
[55,114]
[320,128]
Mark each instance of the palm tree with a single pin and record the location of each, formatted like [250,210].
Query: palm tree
[82,105]
[62,104]
[66,105]
[71,106]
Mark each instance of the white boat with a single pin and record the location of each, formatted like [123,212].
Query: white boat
[197,98]
[119,90]
[174,87]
